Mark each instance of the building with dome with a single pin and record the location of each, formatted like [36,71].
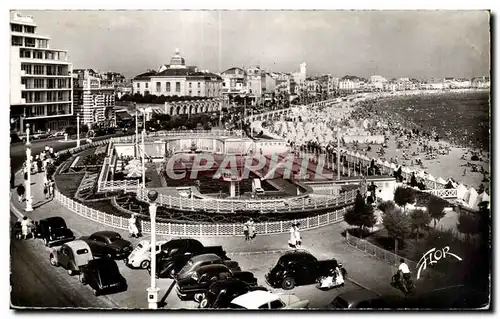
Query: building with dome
[178,79]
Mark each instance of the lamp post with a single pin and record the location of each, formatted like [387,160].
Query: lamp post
[338,155]
[29,208]
[136,129]
[153,290]
[78,130]
[143,162]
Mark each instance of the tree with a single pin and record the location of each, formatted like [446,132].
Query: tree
[467,225]
[397,224]
[403,196]
[435,207]
[362,215]
[419,220]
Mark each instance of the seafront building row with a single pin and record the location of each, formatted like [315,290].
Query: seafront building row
[48,93]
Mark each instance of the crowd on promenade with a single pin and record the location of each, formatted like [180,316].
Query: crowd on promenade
[39,164]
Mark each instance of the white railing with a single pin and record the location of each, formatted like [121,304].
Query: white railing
[230,205]
[117,185]
[443,193]
[200,230]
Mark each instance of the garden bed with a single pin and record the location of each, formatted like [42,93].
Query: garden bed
[68,183]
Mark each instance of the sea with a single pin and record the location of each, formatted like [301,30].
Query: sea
[461,118]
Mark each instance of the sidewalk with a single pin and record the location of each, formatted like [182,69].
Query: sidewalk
[324,242]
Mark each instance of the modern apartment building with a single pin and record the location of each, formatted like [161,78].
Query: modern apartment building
[40,79]
[94,97]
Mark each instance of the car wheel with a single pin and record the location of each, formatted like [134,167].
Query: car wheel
[53,261]
[145,264]
[108,256]
[199,297]
[288,283]
[81,277]
[71,272]
[204,303]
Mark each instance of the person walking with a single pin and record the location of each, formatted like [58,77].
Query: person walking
[245,231]
[52,185]
[251,229]
[298,239]
[292,242]
[20,192]
[25,223]
[39,164]
[132,226]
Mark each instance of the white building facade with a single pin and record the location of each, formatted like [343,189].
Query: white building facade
[40,80]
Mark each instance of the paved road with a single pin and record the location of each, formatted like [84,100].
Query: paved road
[31,268]
[18,150]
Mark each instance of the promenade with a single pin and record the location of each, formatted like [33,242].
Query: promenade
[324,242]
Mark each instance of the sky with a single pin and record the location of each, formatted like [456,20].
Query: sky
[418,44]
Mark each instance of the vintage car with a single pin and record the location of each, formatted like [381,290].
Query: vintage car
[203,260]
[196,286]
[72,256]
[175,254]
[108,244]
[141,255]
[299,267]
[259,299]
[356,299]
[222,292]
[53,231]
[103,276]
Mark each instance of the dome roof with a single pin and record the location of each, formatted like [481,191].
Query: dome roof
[177,59]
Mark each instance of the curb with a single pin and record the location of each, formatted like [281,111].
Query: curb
[362,286]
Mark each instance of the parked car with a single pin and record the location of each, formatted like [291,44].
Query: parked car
[203,260]
[175,254]
[58,134]
[222,292]
[140,257]
[265,300]
[53,231]
[103,276]
[299,267]
[357,299]
[72,256]
[195,287]
[108,244]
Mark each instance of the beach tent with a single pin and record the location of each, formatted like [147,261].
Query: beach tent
[393,166]
[441,182]
[431,181]
[387,164]
[380,162]
[452,183]
[473,198]
[484,197]
[461,191]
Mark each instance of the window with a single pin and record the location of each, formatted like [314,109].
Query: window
[199,85]
[147,85]
[138,85]
[29,42]
[82,251]
[168,87]
[190,93]
[42,44]
[177,86]
[38,55]
[264,306]
[158,86]
[276,304]
[39,84]
[199,93]
[190,84]
[16,28]
[29,29]
[17,41]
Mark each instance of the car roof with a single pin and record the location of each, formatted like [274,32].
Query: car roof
[54,219]
[106,233]
[205,257]
[294,254]
[255,299]
[357,295]
[207,268]
[77,244]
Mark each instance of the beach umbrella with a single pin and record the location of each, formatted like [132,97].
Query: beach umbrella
[441,181]
[380,162]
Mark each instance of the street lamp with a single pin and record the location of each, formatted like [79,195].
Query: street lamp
[136,128]
[29,208]
[143,162]
[153,290]
[78,130]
